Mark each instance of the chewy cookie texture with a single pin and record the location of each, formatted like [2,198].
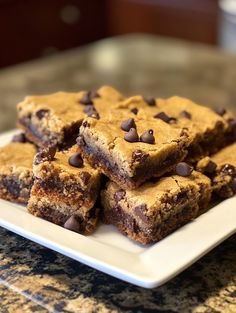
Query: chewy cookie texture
[210,129]
[147,148]
[65,190]
[221,168]
[130,151]
[16,173]
[155,209]
[55,119]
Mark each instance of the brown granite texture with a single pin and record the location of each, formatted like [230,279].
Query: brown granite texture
[59,284]
[36,279]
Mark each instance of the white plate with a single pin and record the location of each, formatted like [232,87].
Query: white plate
[114,254]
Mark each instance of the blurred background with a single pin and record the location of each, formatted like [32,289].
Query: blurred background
[32,29]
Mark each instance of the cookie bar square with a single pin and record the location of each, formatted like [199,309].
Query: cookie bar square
[131,156]
[210,129]
[55,119]
[221,168]
[65,190]
[16,171]
[155,209]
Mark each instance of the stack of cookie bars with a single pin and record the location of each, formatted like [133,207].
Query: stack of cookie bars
[145,165]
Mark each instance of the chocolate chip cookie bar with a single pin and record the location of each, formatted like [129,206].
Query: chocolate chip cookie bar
[55,119]
[157,208]
[65,190]
[210,129]
[130,151]
[221,168]
[16,170]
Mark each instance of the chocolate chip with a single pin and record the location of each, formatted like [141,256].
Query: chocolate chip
[86,99]
[165,118]
[139,156]
[45,155]
[148,137]
[85,176]
[127,124]
[183,169]
[131,135]
[72,224]
[91,111]
[220,111]
[210,167]
[75,160]
[134,110]
[89,108]
[41,113]
[119,195]
[150,101]
[228,169]
[186,114]
[140,211]
[88,96]
[19,138]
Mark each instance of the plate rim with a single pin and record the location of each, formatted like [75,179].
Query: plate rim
[141,273]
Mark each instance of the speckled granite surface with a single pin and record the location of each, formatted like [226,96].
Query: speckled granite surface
[36,279]
[60,284]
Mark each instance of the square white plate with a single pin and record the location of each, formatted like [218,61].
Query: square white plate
[114,254]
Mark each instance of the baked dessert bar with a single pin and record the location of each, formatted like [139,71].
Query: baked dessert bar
[130,151]
[210,129]
[155,209]
[55,119]
[16,171]
[221,168]
[65,190]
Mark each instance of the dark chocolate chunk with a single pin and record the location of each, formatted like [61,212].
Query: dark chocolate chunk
[164,117]
[134,110]
[86,99]
[131,135]
[183,169]
[91,111]
[89,108]
[228,169]
[220,111]
[148,137]
[139,156]
[140,211]
[75,160]
[119,195]
[85,176]
[88,96]
[72,224]
[150,101]
[210,167]
[186,114]
[41,113]
[19,138]
[45,155]
[127,124]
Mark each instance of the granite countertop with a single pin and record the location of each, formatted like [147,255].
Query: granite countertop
[36,279]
